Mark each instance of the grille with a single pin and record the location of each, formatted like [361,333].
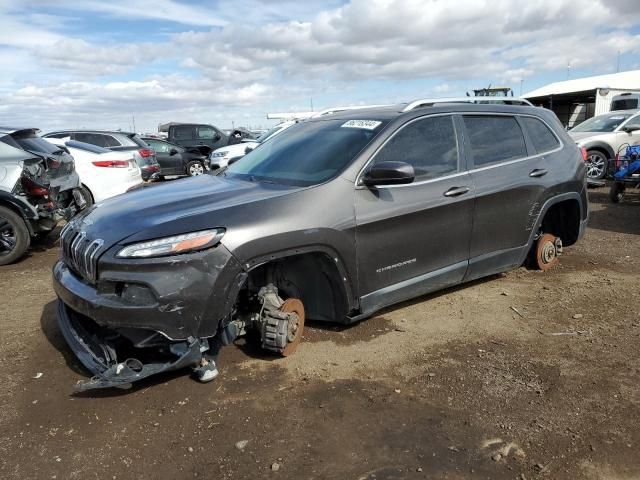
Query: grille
[80,253]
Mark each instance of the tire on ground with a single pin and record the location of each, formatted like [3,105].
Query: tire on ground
[23,239]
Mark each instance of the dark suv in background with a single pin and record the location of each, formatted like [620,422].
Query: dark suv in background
[332,220]
[205,138]
[117,141]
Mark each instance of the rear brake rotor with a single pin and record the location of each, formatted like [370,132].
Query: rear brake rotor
[296,324]
[548,249]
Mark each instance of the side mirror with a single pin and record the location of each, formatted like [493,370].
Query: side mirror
[173,151]
[631,128]
[389,173]
[247,150]
[216,137]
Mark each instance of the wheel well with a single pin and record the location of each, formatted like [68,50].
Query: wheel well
[90,193]
[563,220]
[601,150]
[312,277]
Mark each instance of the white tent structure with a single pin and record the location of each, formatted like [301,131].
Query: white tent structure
[576,100]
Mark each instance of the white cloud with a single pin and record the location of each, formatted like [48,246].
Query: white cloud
[254,54]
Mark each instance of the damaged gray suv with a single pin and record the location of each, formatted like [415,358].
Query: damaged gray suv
[331,221]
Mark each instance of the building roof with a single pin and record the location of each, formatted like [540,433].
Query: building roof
[620,81]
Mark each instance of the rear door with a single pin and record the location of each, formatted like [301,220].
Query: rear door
[412,239]
[510,180]
[169,162]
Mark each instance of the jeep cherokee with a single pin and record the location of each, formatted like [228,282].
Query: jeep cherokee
[332,220]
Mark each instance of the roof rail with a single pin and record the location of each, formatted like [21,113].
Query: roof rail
[330,111]
[428,102]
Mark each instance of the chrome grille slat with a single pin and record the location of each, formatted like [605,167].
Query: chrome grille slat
[80,253]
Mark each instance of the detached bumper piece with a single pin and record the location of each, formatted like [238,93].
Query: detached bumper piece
[117,358]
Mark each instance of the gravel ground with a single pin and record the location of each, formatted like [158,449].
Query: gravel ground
[518,376]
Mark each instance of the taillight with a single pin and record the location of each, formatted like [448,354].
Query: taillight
[112,163]
[146,152]
[32,188]
[585,157]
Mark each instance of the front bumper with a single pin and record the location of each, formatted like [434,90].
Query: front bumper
[144,317]
[103,356]
[180,297]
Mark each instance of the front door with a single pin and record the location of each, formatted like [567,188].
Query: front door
[413,239]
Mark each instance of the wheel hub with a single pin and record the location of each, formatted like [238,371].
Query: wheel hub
[548,249]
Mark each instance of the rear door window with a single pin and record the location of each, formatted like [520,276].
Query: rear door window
[428,144]
[92,138]
[183,132]
[541,136]
[494,139]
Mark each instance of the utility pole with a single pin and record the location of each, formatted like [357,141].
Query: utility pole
[133,118]
[568,69]
[521,82]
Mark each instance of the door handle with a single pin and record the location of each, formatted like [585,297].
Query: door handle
[538,172]
[456,191]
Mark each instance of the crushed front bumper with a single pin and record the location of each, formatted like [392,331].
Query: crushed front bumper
[99,353]
[143,317]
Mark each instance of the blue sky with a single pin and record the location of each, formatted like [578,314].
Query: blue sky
[98,64]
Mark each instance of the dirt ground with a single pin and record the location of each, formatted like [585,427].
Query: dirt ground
[519,376]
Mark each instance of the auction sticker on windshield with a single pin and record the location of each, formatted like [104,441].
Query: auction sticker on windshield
[366,124]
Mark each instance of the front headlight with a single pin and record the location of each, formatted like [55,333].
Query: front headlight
[219,154]
[187,242]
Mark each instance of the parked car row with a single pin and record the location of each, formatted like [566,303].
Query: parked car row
[39,187]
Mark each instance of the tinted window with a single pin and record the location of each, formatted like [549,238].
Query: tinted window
[33,143]
[92,138]
[494,139]
[109,141]
[136,140]
[206,133]
[158,146]
[307,153]
[183,132]
[626,104]
[57,135]
[541,136]
[428,144]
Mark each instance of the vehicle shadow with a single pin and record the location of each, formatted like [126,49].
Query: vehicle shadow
[250,344]
[623,217]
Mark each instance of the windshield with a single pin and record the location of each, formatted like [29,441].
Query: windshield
[308,153]
[269,133]
[602,123]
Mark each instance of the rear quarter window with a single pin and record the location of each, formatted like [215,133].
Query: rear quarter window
[541,136]
[494,139]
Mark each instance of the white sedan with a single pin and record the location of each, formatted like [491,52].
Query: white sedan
[103,172]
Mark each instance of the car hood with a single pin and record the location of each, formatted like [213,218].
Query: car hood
[583,137]
[175,207]
[237,148]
